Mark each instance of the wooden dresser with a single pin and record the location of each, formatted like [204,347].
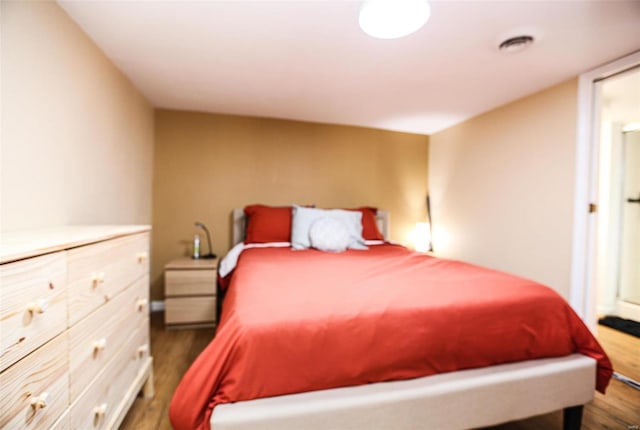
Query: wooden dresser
[74,326]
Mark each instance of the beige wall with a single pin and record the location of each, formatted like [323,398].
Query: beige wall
[77,137]
[206,165]
[502,187]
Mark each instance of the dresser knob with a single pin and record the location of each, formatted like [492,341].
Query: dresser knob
[141,256]
[40,402]
[142,350]
[98,413]
[99,345]
[141,304]
[39,306]
[97,278]
[100,410]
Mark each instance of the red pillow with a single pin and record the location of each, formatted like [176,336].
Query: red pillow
[370,229]
[268,224]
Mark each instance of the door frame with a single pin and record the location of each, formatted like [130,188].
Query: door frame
[583,292]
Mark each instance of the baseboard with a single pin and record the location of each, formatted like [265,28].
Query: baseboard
[627,310]
[604,310]
[157,305]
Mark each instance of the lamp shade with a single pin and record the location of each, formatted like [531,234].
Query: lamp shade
[420,237]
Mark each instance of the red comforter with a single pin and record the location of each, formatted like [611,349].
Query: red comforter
[297,321]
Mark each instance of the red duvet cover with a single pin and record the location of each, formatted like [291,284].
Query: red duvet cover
[296,321]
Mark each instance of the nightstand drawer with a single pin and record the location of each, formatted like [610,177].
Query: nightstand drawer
[34,392]
[190,282]
[190,310]
[33,304]
[100,271]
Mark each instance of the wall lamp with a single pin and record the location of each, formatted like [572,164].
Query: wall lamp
[206,230]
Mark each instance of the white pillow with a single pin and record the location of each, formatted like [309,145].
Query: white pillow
[303,218]
[329,235]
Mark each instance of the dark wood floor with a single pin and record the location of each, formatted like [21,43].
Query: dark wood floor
[174,350]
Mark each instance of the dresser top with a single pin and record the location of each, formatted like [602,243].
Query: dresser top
[17,245]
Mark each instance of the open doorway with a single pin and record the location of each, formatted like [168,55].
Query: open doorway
[605,277]
[585,270]
[617,262]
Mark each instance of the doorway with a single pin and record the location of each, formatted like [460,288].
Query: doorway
[606,248]
[617,261]
[586,272]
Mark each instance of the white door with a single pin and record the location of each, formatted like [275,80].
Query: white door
[630,240]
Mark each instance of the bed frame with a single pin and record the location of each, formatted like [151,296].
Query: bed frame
[456,400]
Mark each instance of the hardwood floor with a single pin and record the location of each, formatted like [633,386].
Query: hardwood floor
[174,350]
[619,408]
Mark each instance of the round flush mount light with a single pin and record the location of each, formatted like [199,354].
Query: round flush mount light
[515,44]
[391,19]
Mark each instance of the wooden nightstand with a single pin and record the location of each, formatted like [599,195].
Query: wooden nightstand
[190,292]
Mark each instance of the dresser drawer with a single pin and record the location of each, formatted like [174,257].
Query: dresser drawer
[35,391]
[96,340]
[189,282]
[102,402]
[62,423]
[190,310]
[100,271]
[33,304]
[139,351]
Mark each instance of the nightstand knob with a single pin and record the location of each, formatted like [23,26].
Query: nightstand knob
[141,256]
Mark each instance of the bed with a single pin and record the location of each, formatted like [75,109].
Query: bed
[384,338]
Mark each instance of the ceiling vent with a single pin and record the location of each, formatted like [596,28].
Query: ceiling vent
[515,44]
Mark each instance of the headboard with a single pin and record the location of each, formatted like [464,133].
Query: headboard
[239,222]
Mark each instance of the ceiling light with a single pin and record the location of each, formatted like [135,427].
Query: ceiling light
[391,19]
[515,44]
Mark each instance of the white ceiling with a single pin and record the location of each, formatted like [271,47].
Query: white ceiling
[308,60]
